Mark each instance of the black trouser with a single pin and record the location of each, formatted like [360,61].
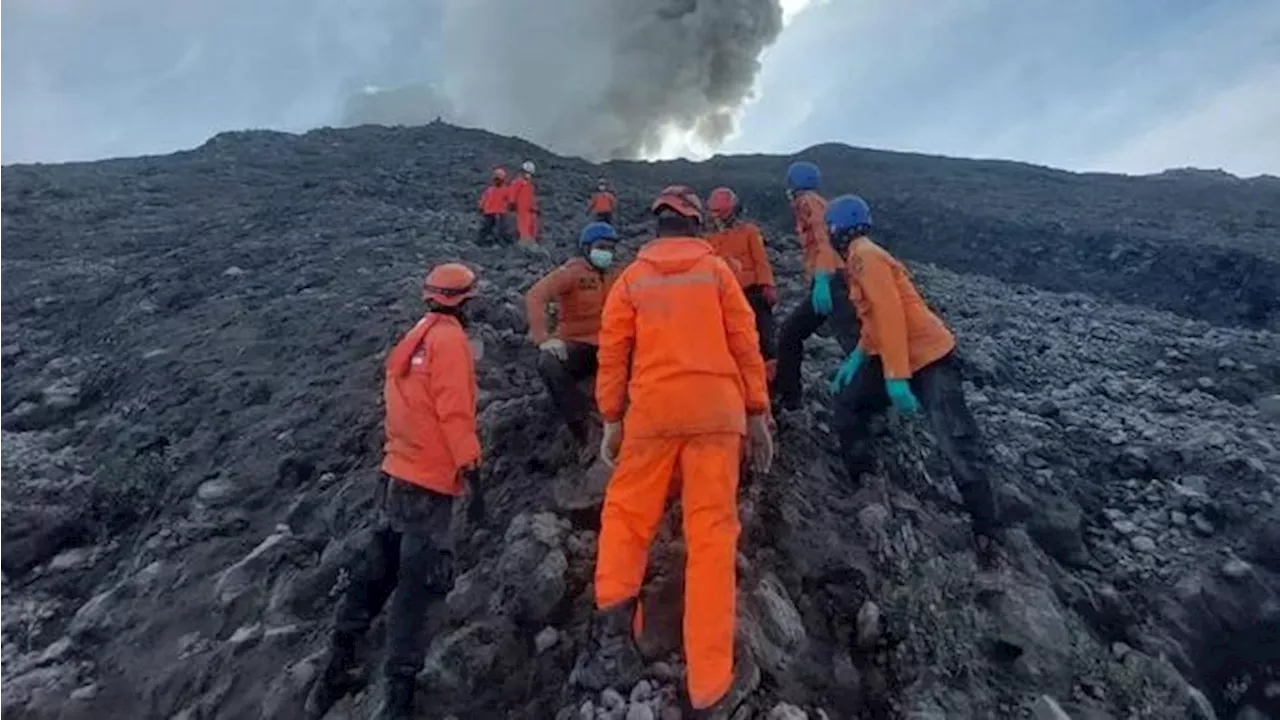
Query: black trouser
[493,226]
[562,377]
[803,322]
[604,216]
[764,320]
[409,560]
[938,388]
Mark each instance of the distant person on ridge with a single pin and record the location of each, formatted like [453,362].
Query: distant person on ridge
[603,203]
[681,381]
[432,455]
[525,203]
[741,244]
[905,358]
[828,295]
[579,288]
[494,202]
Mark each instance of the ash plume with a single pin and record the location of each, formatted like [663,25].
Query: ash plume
[604,79]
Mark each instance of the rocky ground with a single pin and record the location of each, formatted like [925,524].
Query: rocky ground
[192,352]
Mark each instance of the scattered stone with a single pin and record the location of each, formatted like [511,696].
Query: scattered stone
[1236,569]
[641,692]
[1125,527]
[1142,543]
[868,626]
[233,271]
[640,711]
[546,639]
[611,699]
[787,711]
[1046,708]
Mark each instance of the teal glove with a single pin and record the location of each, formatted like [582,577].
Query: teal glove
[904,401]
[846,372]
[820,298]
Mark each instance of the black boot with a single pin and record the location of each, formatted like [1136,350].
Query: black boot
[610,658]
[337,679]
[397,701]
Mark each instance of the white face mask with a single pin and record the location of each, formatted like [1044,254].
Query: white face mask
[600,258]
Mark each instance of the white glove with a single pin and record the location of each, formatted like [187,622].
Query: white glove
[610,443]
[556,347]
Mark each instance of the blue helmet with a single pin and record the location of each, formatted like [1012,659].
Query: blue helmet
[596,232]
[847,213]
[803,175]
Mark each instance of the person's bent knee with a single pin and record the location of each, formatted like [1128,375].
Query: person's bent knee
[549,366]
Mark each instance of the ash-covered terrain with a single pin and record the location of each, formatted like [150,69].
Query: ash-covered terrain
[192,366]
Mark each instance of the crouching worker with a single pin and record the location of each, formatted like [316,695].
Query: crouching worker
[578,287]
[741,244]
[681,381]
[905,358]
[432,455]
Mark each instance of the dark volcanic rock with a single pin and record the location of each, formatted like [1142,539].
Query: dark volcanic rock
[192,368]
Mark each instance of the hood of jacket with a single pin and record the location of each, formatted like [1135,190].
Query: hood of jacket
[671,255]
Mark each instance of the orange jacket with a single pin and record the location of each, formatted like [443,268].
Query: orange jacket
[494,200]
[522,196]
[742,246]
[430,394]
[810,210]
[678,345]
[896,323]
[603,202]
[580,290]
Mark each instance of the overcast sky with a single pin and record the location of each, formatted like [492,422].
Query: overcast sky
[1121,85]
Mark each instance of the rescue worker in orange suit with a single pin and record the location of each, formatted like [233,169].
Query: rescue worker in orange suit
[525,204]
[741,244]
[493,209]
[431,456]
[905,358]
[579,287]
[603,203]
[827,299]
[681,381]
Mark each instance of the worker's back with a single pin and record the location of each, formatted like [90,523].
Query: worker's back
[667,314]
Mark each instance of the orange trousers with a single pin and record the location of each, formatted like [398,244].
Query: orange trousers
[633,506]
[526,226]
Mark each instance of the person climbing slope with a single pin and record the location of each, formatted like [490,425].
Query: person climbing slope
[827,297]
[741,244]
[525,203]
[681,381]
[905,358]
[431,456]
[493,209]
[579,287]
[603,203]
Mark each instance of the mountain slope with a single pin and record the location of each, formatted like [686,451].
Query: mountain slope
[192,367]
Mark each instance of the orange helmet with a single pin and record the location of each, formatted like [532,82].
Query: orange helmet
[499,174]
[722,203]
[680,199]
[449,284]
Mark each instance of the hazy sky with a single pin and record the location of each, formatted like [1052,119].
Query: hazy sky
[1123,85]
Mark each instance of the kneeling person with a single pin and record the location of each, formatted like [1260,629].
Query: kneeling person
[579,287]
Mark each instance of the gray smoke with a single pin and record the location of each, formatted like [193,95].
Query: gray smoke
[604,78]
[86,79]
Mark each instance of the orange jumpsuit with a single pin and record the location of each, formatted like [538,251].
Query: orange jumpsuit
[742,246]
[580,290]
[679,358]
[896,324]
[603,204]
[430,395]
[809,209]
[526,207]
